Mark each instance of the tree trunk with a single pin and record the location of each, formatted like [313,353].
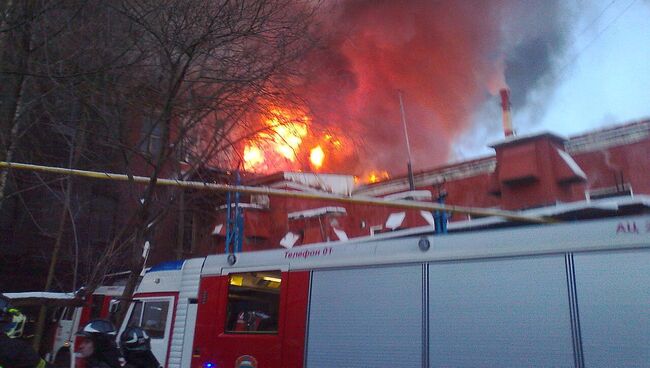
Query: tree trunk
[132,282]
[73,158]
[11,125]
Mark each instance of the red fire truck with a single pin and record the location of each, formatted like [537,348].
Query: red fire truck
[572,294]
[68,321]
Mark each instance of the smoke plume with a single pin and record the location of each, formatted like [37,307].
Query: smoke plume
[447,57]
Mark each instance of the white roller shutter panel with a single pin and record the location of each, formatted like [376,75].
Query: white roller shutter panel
[614,299]
[366,318]
[500,313]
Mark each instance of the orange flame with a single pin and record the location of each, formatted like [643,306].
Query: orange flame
[316,157]
[375,176]
[289,141]
[279,142]
[253,156]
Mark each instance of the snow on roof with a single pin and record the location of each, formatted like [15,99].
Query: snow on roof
[39,295]
[331,183]
[217,229]
[609,137]
[526,137]
[428,217]
[315,212]
[572,164]
[342,235]
[395,220]
[289,240]
[418,195]
[609,204]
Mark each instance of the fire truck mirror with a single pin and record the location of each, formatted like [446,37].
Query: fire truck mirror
[113,306]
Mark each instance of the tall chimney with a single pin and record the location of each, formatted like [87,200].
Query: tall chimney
[505,107]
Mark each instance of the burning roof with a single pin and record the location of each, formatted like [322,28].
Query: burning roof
[449,57]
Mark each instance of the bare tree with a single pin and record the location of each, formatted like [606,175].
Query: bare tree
[204,66]
[146,87]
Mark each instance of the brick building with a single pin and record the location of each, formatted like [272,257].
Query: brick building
[526,172]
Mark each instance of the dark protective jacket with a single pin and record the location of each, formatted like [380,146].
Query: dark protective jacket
[106,354]
[16,353]
[141,359]
[95,363]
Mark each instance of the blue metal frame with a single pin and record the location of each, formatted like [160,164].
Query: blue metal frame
[440,217]
[234,221]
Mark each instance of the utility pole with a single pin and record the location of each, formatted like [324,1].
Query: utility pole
[408,145]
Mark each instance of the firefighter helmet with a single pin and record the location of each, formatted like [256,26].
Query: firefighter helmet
[12,322]
[96,328]
[135,339]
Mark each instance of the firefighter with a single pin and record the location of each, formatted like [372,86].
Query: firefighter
[136,348]
[97,345]
[15,352]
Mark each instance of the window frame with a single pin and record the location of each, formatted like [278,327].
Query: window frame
[151,133]
[142,301]
[229,327]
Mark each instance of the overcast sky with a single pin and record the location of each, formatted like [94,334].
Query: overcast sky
[607,80]
[601,79]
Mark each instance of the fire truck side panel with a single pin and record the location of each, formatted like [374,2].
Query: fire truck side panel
[215,344]
[295,321]
[366,317]
[210,301]
[508,312]
[185,314]
[614,298]
[190,329]
[552,295]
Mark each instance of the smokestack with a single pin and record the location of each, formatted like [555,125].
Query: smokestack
[505,108]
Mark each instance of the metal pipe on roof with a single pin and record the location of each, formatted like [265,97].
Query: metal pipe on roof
[405,204]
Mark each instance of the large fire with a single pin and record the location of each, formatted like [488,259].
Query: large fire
[288,140]
[445,56]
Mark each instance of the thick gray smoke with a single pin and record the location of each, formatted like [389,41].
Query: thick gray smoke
[531,60]
[448,57]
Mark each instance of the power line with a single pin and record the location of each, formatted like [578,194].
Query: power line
[584,30]
[600,33]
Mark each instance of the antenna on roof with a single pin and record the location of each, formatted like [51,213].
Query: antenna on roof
[408,145]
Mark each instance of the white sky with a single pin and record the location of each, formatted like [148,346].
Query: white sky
[608,81]
[603,80]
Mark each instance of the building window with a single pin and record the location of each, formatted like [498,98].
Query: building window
[253,302]
[151,137]
[102,215]
[97,302]
[151,316]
